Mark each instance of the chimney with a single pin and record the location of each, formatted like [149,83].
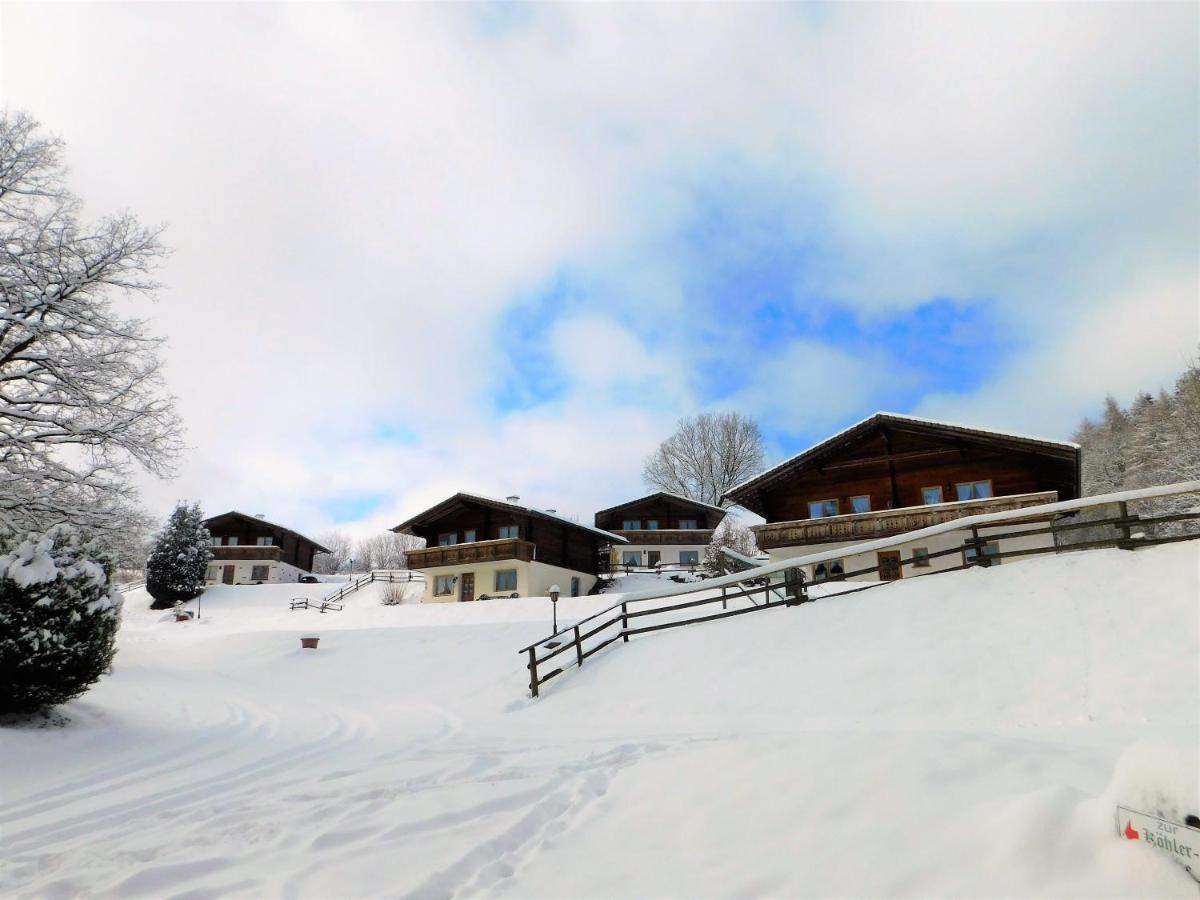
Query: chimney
[552,511]
[513,498]
[260,515]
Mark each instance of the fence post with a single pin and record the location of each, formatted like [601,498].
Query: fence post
[724,597]
[578,647]
[533,679]
[1126,535]
[977,542]
[624,623]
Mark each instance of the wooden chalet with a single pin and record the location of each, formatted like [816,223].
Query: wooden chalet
[250,550]
[480,547]
[662,529]
[891,474]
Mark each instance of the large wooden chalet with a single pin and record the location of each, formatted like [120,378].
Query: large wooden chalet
[250,550]
[890,474]
[478,547]
[662,529]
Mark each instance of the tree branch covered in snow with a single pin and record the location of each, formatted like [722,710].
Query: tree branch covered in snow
[82,397]
[707,455]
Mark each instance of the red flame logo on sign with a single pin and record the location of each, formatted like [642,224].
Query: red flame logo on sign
[1130,831]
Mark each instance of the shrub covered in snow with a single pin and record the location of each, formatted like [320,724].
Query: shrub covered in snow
[58,619]
[175,568]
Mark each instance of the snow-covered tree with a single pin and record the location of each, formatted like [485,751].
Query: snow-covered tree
[58,619]
[176,566]
[338,558]
[731,534]
[81,396]
[385,551]
[707,455]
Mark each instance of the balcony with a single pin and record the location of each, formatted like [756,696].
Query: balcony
[885,522]
[667,536]
[476,552]
[271,553]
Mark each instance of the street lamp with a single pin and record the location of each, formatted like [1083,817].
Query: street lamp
[554,604]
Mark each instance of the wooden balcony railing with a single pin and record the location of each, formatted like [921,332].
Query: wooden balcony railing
[885,522]
[475,552]
[668,536]
[272,552]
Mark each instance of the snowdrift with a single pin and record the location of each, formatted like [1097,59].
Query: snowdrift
[962,734]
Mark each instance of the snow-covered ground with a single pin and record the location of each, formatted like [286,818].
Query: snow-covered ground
[966,734]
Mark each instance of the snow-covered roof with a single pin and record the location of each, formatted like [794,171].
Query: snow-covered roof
[261,520]
[898,418]
[682,499]
[515,507]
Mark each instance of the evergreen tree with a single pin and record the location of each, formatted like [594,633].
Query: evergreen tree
[58,619]
[731,534]
[176,566]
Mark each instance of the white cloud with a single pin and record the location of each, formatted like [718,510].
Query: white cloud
[356,195]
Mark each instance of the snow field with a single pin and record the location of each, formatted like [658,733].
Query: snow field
[966,734]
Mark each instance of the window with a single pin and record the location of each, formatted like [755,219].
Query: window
[575,586]
[931,495]
[631,525]
[820,509]
[631,557]
[836,569]
[820,572]
[469,536]
[689,557]
[443,585]
[974,490]
[920,557]
[506,579]
[259,573]
[265,542]
[652,525]
[212,573]
[990,550]
[231,542]
[449,539]
[687,524]
[860,504]
[509,532]
[216,542]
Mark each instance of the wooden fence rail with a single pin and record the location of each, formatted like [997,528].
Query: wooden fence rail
[783,583]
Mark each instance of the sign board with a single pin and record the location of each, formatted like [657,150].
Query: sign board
[1180,841]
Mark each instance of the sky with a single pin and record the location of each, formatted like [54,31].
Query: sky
[503,248]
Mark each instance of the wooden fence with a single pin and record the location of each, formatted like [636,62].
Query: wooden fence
[397,576]
[783,583]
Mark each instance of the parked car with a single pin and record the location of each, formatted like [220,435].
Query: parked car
[309,579]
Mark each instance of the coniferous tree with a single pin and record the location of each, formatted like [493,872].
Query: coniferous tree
[58,619]
[176,566]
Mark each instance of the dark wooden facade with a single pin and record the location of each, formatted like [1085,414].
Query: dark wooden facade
[667,511]
[293,548]
[891,459]
[541,535]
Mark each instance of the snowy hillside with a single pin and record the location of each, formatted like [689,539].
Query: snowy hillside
[963,734]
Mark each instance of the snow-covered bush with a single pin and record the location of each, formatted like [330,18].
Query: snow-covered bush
[58,619]
[176,566]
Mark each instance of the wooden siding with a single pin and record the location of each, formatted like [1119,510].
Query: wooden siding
[673,537]
[226,554]
[666,510]
[483,551]
[892,466]
[294,549]
[869,526]
[558,543]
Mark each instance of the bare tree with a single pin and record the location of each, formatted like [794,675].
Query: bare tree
[385,551]
[338,558]
[707,455]
[82,399]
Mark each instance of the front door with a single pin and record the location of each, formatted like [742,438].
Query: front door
[227,575]
[468,587]
[652,557]
[889,565]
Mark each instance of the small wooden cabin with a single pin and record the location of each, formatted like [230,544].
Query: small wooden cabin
[662,529]
[891,473]
[250,550]
[479,547]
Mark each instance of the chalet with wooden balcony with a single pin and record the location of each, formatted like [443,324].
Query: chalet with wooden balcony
[250,550]
[662,529]
[479,548]
[890,474]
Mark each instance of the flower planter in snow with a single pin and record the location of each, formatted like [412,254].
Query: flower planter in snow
[309,641]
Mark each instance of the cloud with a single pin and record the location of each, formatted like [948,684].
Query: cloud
[423,248]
